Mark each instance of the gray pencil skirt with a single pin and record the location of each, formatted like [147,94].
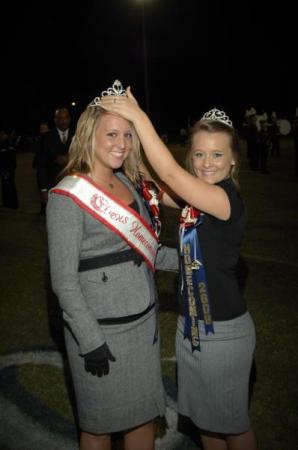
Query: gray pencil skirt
[132,393]
[213,384]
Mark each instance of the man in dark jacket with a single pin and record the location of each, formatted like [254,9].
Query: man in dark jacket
[54,153]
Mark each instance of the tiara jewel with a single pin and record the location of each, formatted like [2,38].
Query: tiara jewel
[218,116]
[116,89]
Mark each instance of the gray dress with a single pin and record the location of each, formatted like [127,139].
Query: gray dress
[213,383]
[132,393]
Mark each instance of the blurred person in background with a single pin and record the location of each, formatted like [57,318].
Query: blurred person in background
[38,145]
[8,164]
[53,155]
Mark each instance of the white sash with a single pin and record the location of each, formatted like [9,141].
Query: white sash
[112,212]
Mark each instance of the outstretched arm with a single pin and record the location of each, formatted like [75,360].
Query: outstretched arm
[206,197]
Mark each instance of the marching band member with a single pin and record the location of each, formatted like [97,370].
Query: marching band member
[103,247]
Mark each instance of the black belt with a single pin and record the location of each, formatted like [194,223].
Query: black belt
[125,319]
[110,259]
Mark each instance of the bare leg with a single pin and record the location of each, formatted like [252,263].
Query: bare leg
[90,441]
[213,441]
[140,438]
[243,441]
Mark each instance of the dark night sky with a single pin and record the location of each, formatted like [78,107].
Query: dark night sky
[201,54]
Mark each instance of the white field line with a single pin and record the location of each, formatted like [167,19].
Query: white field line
[20,432]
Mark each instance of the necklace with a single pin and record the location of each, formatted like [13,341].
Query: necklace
[97,180]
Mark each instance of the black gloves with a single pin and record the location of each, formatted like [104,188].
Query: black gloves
[97,361]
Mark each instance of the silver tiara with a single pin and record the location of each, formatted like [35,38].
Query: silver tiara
[116,89]
[218,116]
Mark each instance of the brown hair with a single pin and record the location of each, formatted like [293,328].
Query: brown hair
[215,126]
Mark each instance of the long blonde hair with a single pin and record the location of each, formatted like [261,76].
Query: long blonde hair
[82,149]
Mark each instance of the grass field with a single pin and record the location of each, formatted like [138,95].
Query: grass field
[269,280]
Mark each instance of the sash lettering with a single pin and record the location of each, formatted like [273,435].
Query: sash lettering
[113,213]
[194,284]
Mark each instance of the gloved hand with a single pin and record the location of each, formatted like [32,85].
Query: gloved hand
[97,361]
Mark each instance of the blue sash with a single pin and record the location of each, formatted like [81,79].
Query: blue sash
[194,283]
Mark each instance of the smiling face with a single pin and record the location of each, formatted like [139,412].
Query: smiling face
[211,156]
[112,142]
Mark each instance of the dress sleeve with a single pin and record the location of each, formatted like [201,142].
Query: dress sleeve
[167,259]
[65,233]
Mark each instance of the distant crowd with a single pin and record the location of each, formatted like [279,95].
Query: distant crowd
[261,131]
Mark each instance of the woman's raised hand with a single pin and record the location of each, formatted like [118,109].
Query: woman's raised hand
[129,94]
[125,106]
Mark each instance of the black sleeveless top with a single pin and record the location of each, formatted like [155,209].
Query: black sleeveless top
[220,242]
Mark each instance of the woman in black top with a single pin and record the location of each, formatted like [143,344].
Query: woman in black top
[215,338]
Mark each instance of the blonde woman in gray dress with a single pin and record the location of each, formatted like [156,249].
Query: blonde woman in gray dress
[103,249]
